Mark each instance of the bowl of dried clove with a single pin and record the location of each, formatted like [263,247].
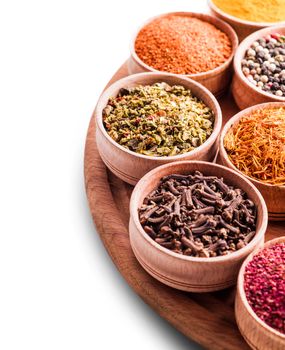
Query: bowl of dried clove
[192,223]
[260,297]
[149,119]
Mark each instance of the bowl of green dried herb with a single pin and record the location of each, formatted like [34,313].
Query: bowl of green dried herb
[193,223]
[149,119]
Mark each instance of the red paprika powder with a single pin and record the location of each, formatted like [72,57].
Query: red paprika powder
[182,45]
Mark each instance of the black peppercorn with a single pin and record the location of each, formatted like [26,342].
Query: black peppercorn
[264,71]
[261,54]
[275,86]
[264,64]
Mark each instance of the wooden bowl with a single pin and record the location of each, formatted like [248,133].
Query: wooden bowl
[274,195]
[187,273]
[242,27]
[130,166]
[257,333]
[216,80]
[245,93]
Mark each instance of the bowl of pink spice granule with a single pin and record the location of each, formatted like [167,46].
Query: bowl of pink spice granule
[260,299]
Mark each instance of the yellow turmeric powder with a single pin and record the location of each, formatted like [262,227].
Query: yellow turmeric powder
[254,10]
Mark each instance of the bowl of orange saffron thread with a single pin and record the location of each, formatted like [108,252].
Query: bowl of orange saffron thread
[253,143]
[196,45]
[248,16]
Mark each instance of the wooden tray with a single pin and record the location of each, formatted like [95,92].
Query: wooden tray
[206,318]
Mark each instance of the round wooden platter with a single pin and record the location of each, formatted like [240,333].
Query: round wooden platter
[207,318]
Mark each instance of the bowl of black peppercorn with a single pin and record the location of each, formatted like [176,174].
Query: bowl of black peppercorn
[259,68]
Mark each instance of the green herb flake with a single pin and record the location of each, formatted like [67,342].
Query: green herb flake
[158,120]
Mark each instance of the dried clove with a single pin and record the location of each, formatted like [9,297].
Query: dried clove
[149,230]
[158,219]
[221,185]
[198,215]
[188,198]
[205,210]
[198,203]
[190,244]
[202,219]
[228,226]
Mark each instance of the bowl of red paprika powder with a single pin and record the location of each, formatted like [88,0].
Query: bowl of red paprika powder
[260,298]
[196,45]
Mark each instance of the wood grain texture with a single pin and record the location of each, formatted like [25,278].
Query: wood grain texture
[206,318]
[256,332]
[216,80]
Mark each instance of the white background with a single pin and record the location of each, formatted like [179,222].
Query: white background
[59,288]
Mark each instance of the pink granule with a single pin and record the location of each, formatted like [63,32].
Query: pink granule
[264,285]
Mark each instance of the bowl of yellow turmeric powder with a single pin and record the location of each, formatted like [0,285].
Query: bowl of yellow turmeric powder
[247,16]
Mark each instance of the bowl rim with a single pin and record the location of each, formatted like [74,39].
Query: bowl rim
[238,20]
[134,214]
[239,55]
[232,121]
[230,32]
[241,291]
[124,82]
